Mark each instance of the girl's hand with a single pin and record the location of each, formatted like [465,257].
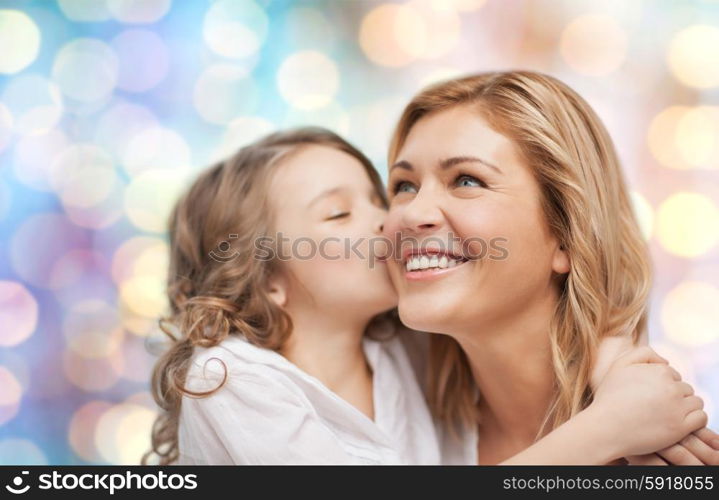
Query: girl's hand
[699,448]
[609,350]
[645,404]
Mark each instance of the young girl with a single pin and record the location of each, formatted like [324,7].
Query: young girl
[283,347]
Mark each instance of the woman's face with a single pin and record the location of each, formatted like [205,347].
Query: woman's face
[328,212]
[468,211]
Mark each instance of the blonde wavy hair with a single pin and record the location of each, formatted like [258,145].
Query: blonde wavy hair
[212,298]
[587,206]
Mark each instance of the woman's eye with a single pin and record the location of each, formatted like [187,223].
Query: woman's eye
[338,215]
[404,187]
[469,181]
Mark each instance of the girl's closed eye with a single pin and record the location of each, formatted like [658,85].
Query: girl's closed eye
[338,214]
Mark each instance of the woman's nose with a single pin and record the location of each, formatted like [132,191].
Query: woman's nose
[422,212]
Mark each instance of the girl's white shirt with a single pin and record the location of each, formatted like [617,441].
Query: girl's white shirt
[271,412]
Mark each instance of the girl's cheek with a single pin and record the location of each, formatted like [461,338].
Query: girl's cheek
[391,224]
[331,249]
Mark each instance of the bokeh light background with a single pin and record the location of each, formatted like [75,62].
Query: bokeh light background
[109,107]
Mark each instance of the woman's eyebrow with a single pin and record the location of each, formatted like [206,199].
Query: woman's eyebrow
[456,160]
[449,163]
[403,164]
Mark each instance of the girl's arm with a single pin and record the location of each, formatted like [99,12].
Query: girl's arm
[579,441]
[640,406]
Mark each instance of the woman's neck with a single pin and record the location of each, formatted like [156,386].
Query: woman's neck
[330,350]
[511,362]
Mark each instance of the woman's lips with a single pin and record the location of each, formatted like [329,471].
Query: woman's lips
[431,273]
[430,262]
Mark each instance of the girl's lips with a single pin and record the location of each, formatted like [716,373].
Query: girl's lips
[430,274]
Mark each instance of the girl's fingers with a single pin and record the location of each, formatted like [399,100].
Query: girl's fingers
[651,459]
[675,374]
[686,389]
[700,449]
[709,437]
[695,420]
[678,454]
[693,403]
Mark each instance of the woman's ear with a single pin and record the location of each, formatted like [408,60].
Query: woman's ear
[277,289]
[560,260]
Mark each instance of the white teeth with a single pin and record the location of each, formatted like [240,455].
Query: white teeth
[424,262]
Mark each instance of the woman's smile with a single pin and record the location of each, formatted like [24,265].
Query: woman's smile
[430,263]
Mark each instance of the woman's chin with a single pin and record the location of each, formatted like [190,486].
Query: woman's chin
[423,319]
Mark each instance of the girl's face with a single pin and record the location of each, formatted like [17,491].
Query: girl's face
[468,211]
[327,214]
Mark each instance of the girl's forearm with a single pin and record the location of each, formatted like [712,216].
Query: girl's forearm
[579,441]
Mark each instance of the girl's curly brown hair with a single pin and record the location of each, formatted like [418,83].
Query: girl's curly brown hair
[217,291]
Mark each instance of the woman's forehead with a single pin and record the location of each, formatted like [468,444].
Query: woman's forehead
[458,131]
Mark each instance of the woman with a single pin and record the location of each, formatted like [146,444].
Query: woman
[272,357]
[546,260]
